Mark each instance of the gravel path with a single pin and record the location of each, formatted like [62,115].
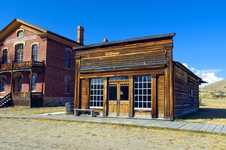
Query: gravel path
[27,134]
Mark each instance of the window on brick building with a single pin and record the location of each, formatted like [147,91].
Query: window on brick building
[2,84]
[19,53]
[67,58]
[34,80]
[5,56]
[20,34]
[67,84]
[35,52]
[18,83]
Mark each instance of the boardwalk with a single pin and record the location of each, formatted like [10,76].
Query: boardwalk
[176,125]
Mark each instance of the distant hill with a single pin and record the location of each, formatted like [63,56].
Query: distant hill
[215,87]
[215,90]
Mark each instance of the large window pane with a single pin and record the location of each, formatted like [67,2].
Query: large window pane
[142,92]
[96,92]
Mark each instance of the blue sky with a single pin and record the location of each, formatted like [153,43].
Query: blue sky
[200,25]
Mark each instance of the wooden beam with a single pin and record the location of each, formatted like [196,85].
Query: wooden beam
[122,73]
[131,100]
[105,98]
[77,84]
[154,97]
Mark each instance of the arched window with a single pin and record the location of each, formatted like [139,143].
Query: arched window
[18,84]
[67,58]
[5,56]
[20,34]
[2,84]
[35,52]
[34,80]
[19,53]
[67,84]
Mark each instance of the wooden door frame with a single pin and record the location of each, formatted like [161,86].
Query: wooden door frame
[118,84]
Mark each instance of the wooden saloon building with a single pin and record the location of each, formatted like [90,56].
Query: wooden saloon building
[134,78]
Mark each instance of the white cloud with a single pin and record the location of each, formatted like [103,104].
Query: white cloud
[209,75]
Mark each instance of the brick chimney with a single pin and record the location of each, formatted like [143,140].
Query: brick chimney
[80,35]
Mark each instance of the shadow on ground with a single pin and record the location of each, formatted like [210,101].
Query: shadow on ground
[207,113]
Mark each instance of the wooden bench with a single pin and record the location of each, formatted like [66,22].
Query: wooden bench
[80,111]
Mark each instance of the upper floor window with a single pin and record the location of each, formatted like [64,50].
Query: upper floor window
[34,79]
[19,53]
[20,34]
[35,52]
[67,58]
[4,56]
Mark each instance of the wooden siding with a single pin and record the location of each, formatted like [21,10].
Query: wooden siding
[184,102]
[85,93]
[161,96]
[130,56]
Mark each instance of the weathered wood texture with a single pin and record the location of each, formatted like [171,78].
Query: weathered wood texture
[85,93]
[161,96]
[186,92]
[129,56]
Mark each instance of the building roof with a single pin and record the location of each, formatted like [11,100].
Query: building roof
[131,40]
[17,22]
[180,65]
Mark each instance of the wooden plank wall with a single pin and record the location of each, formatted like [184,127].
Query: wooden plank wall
[128,56]
[161,97]
[85,93]
[184,102]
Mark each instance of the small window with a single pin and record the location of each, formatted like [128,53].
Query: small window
[5,56]
[191,92]
[67,58]
[20,34]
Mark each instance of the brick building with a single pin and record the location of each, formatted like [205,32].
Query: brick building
[36,65]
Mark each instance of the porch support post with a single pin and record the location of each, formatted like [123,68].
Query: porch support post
[131,100]
[154,96]
[105,98]
[30,88]
[77,83]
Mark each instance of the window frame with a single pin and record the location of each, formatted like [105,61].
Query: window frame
[19,54]
[32,52]
[3,56]
[96,92]
[68,58]
[144,91]
[18,33]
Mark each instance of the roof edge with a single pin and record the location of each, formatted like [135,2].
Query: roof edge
[177,63]
[130,40]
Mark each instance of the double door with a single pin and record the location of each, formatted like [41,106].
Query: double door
[118,96]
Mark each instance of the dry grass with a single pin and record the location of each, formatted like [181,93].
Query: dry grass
[44,134]
[211,112]
[22,110]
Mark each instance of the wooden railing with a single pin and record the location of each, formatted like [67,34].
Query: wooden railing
[22,65]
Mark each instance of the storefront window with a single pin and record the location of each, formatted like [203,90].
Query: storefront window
[142,92]
[96,92]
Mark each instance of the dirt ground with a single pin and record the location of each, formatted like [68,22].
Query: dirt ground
[210,112]
[23,110]
[25,134]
